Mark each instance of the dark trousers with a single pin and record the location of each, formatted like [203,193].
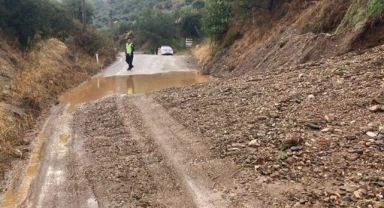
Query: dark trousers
[129,60]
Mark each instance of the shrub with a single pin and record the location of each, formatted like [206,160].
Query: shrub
[91,41]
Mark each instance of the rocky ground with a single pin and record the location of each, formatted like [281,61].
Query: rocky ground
[300,135]
[307,135]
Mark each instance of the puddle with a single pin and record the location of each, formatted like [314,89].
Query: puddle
[63,138]
[94,89]
[100,87]
[13,197]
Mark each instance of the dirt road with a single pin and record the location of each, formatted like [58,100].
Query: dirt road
[124,151]
[303,137]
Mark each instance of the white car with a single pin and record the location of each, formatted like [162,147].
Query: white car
[166,50]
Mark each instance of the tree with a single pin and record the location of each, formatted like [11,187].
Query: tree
[216,18]
[27,19]
[156,28]
[191,24]
[75,8]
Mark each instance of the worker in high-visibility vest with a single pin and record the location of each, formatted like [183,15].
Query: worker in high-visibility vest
[129,53]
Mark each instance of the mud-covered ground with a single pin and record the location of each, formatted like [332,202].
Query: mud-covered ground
[313,133]
[127,169]
[308,135]
[126,151]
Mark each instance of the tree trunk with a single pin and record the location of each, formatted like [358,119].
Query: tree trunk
[84,14]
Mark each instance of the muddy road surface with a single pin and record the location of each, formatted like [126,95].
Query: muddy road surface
[106,146]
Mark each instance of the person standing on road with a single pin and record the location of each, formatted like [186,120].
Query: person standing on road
[129,53]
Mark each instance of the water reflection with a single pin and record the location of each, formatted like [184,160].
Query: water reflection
[100,87]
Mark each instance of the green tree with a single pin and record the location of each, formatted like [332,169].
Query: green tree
[25,19]
[156,28]
[74,7]
[191,24]
[216,18]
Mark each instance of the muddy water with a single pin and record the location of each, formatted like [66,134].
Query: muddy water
[14,197]
[100,87]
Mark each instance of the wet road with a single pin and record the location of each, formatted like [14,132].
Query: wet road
[149,64]
[121,151]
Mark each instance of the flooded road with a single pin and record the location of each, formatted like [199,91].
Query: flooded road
[100,87]
[55,171]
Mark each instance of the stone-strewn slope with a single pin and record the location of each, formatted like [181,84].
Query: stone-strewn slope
[318,124]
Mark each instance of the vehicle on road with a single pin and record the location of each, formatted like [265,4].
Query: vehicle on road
[166,50]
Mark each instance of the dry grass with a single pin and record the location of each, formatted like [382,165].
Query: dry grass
[12,127]
[34,83]
[52,70]
[258,29]
[323,16]
[204,52]
[307,16]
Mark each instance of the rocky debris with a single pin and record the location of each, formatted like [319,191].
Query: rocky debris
[124,171]
[313,124]
[377,108]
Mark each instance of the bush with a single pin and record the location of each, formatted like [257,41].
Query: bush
[91,41]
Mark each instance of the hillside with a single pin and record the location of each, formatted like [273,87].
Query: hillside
[299,111]
[292,33]
[31,83]
[304,135]
[298,105]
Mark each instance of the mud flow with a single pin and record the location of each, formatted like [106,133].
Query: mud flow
[100,87]
[14,197]
[92,90]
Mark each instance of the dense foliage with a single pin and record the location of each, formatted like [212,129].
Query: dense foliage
[171,21]
[32,20]
[153,22]
[74,8]
[29,19]
[217,17]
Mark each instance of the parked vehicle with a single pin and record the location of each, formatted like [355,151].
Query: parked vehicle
[166,50]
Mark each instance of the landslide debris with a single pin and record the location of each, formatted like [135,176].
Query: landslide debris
[319,125]
[126,167]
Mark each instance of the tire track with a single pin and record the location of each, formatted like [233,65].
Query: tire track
[204,176]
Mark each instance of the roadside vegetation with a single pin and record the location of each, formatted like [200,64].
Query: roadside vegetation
[44,52]
[227,24]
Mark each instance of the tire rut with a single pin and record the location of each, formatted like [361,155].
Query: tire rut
[126,168]
[205,177]
[126,151]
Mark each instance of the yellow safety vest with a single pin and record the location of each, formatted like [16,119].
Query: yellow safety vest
[129,48]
